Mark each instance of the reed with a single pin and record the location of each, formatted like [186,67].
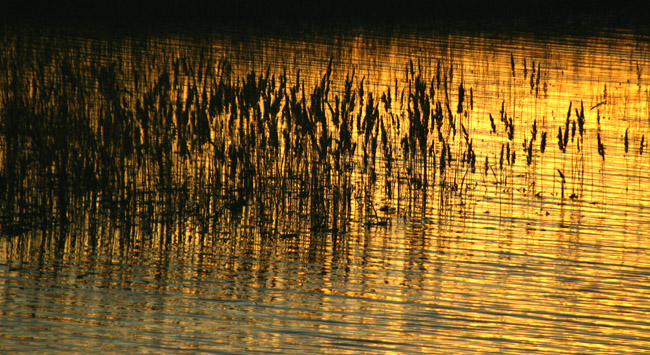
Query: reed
[183,140]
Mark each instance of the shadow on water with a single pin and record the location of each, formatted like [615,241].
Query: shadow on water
[427,200]
[173,148]
[181,145]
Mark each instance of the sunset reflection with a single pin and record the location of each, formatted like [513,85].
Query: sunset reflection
[357,192]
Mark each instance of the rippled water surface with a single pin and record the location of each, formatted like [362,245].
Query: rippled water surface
[253,249]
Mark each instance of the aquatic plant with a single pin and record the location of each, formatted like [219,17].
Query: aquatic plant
[181,140]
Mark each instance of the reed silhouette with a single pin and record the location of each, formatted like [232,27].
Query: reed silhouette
[183,141]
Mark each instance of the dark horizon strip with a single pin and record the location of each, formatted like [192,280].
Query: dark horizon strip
[289,13]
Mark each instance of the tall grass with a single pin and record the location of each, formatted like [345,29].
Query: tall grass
[177,142]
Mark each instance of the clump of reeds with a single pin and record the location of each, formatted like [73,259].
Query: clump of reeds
[185,138]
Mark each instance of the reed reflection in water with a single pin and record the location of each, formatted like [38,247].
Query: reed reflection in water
[353,193]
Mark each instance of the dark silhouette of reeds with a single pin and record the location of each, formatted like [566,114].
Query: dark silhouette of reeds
[184,138]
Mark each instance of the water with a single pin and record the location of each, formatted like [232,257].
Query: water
[271,250]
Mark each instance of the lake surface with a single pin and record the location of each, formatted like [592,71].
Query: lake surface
[357,192]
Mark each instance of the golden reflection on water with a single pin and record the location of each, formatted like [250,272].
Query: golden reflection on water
[509,265]
[603,76]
